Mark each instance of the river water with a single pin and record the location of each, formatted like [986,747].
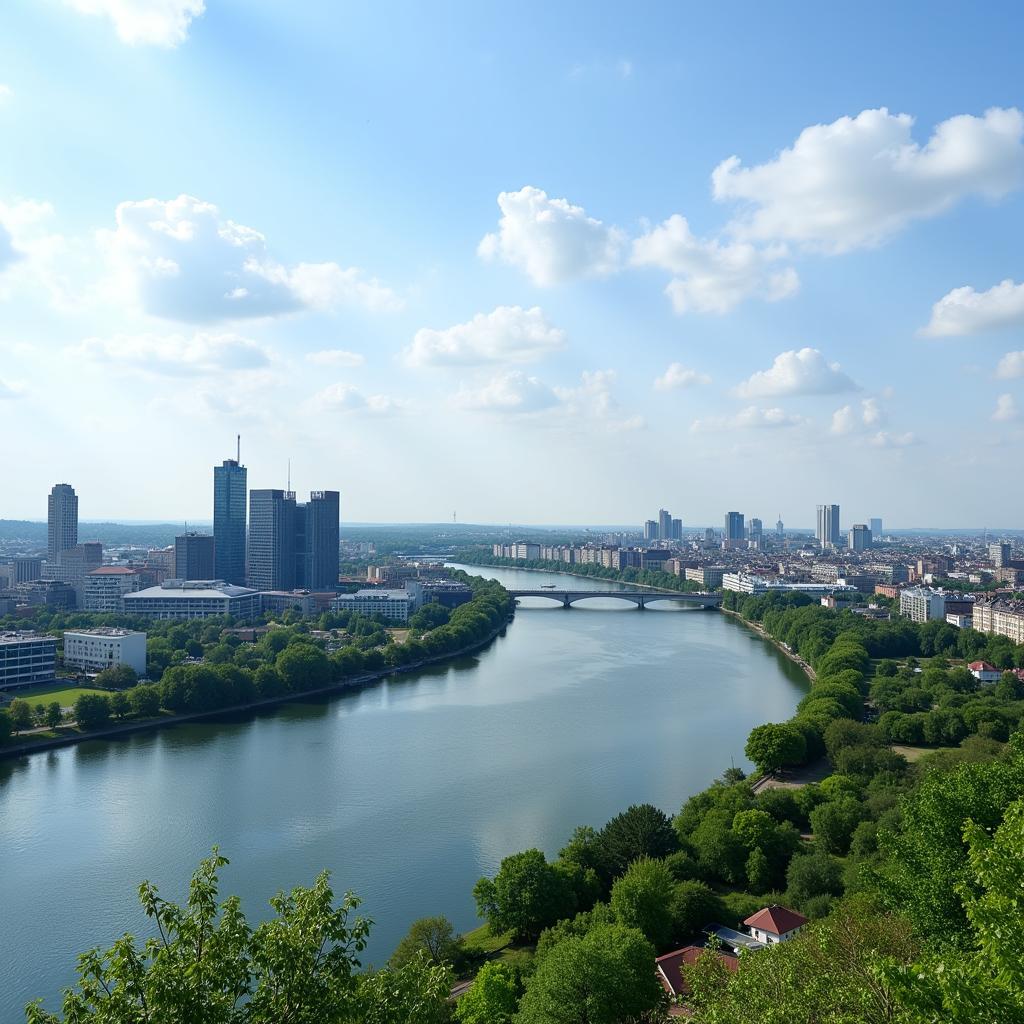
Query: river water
[407,791]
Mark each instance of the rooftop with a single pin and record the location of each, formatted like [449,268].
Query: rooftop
[103,631]
[671,966]
[112,570]
[185,589]
[20,637]
[776,919]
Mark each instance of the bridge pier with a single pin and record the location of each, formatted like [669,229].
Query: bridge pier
[566,603]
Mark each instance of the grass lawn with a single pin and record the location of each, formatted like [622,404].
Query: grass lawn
[486,946]
[482,939]
[63,694]
[915,753]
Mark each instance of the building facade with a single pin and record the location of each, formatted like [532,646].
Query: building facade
[72,566]
[194,599]
[94,650]
[733,529]
[61,521]
[194,557]
[828,526]
[229,497]
[27,659]
[396,605]
[104,588]
[922,604]
[708,576]
[859,538]
[26,569]
[317,552]
[1001,617]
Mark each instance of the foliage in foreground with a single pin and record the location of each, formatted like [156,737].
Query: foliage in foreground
[207,966]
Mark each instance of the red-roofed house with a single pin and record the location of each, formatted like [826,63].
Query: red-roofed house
[984,672]
[670,968]
[775,924]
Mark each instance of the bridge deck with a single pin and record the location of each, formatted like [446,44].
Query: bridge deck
[638,597]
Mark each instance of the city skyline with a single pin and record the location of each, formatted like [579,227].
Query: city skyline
[780,285]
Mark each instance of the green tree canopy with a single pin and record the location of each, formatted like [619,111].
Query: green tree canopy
[641,899]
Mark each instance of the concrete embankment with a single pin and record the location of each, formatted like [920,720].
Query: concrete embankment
[354,683]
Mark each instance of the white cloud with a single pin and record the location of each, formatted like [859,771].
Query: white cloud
[10,391]
[1011,366]
[550,239]
[859,180]
[336,357]
[750,418]
[153,22]
[175,355]
[679,376]
[186,262]
[347,399]
[594,399]
[512,392]
[965,311]
[508,334]
[884,439]
[803,372]
[848,419]
[714,277]
[1006,409]
[31,252]
[6,93]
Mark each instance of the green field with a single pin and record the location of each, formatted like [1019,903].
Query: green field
[64,695]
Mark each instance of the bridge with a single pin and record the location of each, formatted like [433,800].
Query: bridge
[641,598]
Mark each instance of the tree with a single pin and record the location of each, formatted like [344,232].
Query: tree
[54,715]
[302,666]
[6,726]
[117,677]
[21,715]
[772,746]
[641,899]
[493,997]
[833,823]
[92,711]
[603,977]
[642,830]
[526,896]
[813,874]
[759,872]
[119,704]
[694,904]
[418,991]
[434,936]
[144,700]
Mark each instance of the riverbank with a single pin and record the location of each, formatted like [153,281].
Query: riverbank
[566,572]
[359,682]
[781,648]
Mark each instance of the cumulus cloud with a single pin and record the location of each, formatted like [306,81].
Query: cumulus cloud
[1011,365]
[965,311]
[336,357]
[802,372]
[552,240]
[346,399]
[750,418]
[859,180]
[678,376]
[185,261]
[884,439]
[712,276]
[508,334]
[176,355]
[1006,409]
[849,419]
[153,22]
[512,392]
[31,252]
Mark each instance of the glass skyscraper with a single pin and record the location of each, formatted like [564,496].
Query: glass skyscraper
[229,494]
[61,521]
[293,545]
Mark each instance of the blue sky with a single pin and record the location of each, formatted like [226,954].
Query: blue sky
[551,263]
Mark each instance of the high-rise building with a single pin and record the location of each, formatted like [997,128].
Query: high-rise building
[229,483]
[664,524]
[734,526]
[194,557]
[860,537]
[61,521]
[317,540]
[651,530]
[73,565]
[677,529]
[828,526]
[271,557]
[999,554]
[780,528]
[876,529]
[755,532]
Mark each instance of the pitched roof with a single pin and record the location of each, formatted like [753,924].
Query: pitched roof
[775,919]
[981,666]
[670,967]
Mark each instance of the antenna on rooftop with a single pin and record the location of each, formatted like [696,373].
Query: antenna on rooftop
[238,442]
[289,476]
[454,520]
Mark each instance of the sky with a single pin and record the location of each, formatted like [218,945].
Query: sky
[546,263]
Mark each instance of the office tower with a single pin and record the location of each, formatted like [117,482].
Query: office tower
[650,530]
[26,569]
[734,526]
[229,481]
[271,556]
[194,557]
[756,532]
[859,537]
[876,529]
[316,543]
[677,529]
[828,526]
[999,554]
[61,521]
[664,524]
[780,528]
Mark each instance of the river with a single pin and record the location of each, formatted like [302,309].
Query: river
[407,791]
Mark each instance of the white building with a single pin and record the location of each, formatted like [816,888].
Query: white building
[396,605]
[93,650]
[744,583]
[27,659]
[775,924]
[194,599]
[921,604]
[105,587]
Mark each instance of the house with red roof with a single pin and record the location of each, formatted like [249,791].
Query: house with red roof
[984,672]
[669,968]
[775,924]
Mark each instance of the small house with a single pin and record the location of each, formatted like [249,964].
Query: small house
[670,968]
[775,924]
[984,672]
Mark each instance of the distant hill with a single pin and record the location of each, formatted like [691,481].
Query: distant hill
[155,535]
